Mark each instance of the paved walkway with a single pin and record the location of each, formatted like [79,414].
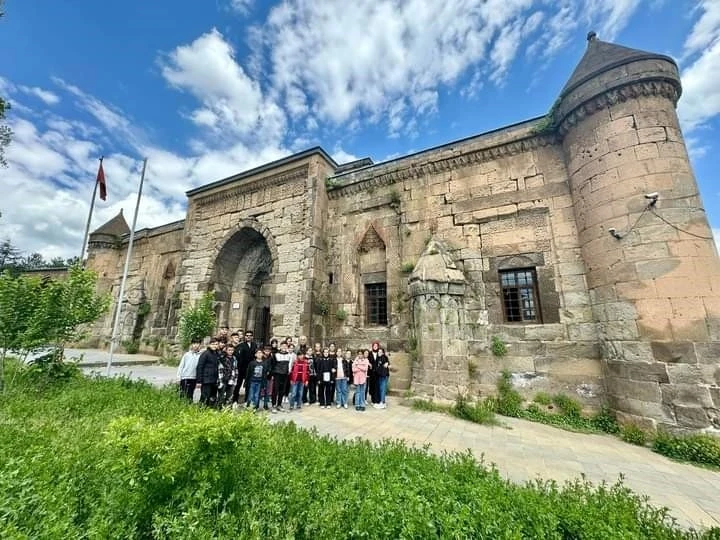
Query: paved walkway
[521,450]
[524,450]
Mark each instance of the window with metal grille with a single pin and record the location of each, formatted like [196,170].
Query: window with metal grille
[376,304]
[519,293]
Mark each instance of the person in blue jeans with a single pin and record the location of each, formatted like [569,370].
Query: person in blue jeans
[256,376]
[360,369]
[344,369]
[382,372]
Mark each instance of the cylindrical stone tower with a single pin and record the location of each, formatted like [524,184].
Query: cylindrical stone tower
[652,267]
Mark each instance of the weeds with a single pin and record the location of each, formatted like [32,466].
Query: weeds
[631,433]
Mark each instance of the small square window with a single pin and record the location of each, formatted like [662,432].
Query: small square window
[376,304]
[519,294]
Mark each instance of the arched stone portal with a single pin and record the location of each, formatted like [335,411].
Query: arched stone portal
[241,282]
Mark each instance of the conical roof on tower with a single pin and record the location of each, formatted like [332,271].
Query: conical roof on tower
[117,226]
[602,56]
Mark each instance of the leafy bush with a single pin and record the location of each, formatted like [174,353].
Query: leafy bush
[37,313]
[131,346]
[605,421]
[197,322]
[567,405]
[543,398]
[633,434]
[697,448]
[341,314]
[407,267]
[480,412]
[119,459]
[498,347]
[508,401]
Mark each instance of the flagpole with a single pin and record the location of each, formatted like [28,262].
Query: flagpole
[87,225]
[118,311]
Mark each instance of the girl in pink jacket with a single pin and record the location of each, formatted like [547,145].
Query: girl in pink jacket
[360,370]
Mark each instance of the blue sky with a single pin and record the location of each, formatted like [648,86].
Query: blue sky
[209,88]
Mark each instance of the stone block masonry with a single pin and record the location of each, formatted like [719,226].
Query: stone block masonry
[503,236]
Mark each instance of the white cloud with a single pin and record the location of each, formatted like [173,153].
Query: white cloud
[312,69]
[48,97]
[706,29]
[241,7]
[341,156]
[701,93]
[386,61]
[111,118]
[231,101]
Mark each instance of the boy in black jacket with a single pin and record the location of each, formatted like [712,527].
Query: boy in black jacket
[255,376]
[208,371]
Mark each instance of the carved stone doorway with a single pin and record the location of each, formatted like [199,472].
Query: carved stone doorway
[241,282]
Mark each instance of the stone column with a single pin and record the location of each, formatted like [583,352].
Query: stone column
[437,288]
[652,268]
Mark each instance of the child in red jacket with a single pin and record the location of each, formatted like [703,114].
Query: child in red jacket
[298,381]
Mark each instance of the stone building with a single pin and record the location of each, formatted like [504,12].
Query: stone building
[576,242]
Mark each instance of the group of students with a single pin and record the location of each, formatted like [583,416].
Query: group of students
[281,372]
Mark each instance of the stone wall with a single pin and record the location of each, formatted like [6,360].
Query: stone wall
[281,205]
[157,254]
[654,288]
[500,200]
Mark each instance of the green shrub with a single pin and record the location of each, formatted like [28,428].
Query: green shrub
[480,412]
[498,347]
[633,434]
[604,420]
[567,405]
[131,346]
[543,398]
[508,401]
[341,314]
[198,321]
[428,405]
[120,459]
[699,448]
[407,267]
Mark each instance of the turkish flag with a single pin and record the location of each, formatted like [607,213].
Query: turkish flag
[101,182]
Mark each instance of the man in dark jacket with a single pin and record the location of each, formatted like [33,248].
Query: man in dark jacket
[245,353]
[208,371]
[281,365]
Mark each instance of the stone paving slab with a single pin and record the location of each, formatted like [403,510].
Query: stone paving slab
[521,450]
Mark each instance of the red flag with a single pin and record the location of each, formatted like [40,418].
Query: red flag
[101,182]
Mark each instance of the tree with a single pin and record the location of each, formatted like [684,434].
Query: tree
[10,256]
[58,261]
[18,299]
[35,260]
[36,313]
[198,321]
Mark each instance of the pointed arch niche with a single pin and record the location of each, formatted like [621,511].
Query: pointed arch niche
[165,306]
[372,274]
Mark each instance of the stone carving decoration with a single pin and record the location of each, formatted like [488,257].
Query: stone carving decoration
[371,241]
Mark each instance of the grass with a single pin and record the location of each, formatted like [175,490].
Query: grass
[114,458]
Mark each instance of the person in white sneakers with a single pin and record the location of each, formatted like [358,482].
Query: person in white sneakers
[187,371]
[382,372]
